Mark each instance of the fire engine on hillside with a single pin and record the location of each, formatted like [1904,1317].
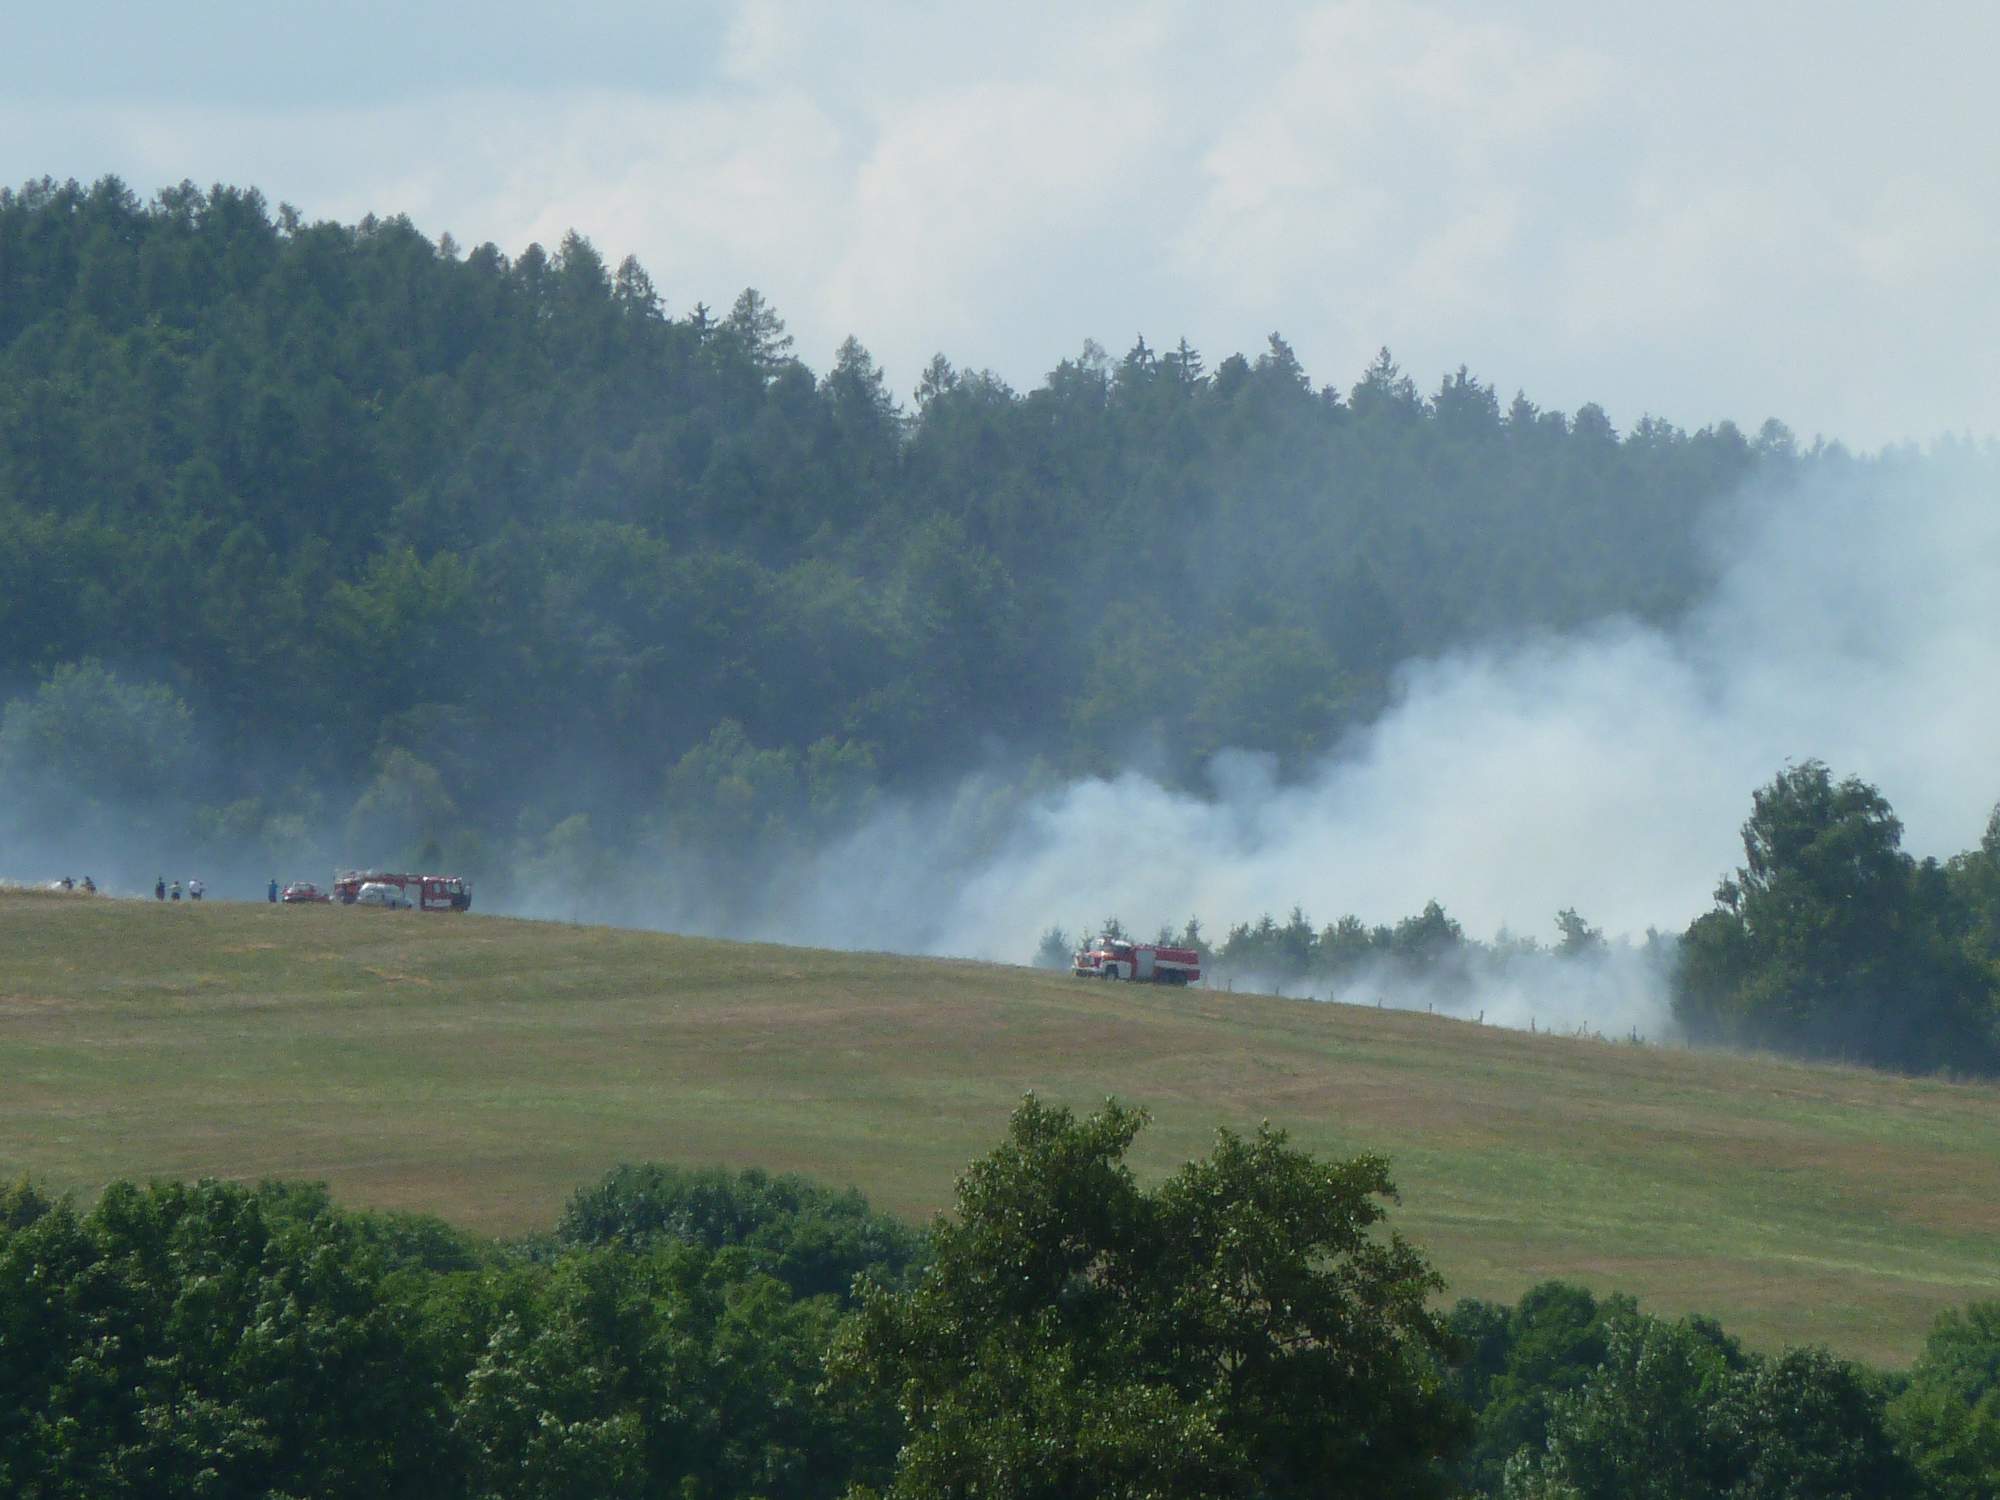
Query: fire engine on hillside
[425,892]
[1114,958]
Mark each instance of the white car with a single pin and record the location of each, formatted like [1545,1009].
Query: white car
[388,897]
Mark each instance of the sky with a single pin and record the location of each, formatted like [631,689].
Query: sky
[1700,212]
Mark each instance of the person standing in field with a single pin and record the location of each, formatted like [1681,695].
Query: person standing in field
[174,891]
[160,889]
[195,888]
[274,890]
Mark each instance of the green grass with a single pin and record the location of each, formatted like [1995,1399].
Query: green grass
[482,1069]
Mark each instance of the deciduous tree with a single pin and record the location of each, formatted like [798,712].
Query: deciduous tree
[1829,939]
[1244,1329]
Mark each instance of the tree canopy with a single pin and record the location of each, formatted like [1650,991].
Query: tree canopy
[1239,1330]
[370,508]
[1244,1327]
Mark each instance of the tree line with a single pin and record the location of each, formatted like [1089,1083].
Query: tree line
[341,535]
[1246,1327]
[1829,941]
[1429,953]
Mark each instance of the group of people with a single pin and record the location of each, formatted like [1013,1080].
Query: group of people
[162,891]
[86,885]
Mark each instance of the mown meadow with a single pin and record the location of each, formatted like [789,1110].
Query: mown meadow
[483,1069]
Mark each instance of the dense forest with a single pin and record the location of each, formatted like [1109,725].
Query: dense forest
[1244,1328]
[333,542]
[330,544]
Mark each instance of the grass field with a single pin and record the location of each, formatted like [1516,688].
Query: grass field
[481,1069]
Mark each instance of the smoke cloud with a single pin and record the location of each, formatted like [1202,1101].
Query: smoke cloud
[1856,619]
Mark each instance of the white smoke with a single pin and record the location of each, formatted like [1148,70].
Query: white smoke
[1617,991]
[1856,620]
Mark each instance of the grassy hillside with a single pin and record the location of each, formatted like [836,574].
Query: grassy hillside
[481,1069]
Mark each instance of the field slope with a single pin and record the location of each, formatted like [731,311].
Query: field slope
[481,1069]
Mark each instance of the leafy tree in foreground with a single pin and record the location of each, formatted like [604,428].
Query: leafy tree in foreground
[1948,1421]
[1518,1361]
[664,1373]
[208,1340]
[1676,1409]
[1636,1427]
[812,1238]
[1241,1330]
[1807,1424]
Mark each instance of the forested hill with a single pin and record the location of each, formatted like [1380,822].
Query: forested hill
[341,523]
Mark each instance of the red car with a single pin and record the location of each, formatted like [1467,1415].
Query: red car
[304,890]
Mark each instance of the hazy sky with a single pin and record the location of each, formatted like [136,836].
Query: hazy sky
[1697,211]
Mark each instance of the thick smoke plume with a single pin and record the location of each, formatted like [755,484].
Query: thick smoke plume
[1856,619]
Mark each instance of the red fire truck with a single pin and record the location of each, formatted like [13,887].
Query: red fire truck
[426,892]
[1114,958]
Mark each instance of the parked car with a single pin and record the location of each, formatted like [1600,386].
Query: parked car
[388,897]
[304,890]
